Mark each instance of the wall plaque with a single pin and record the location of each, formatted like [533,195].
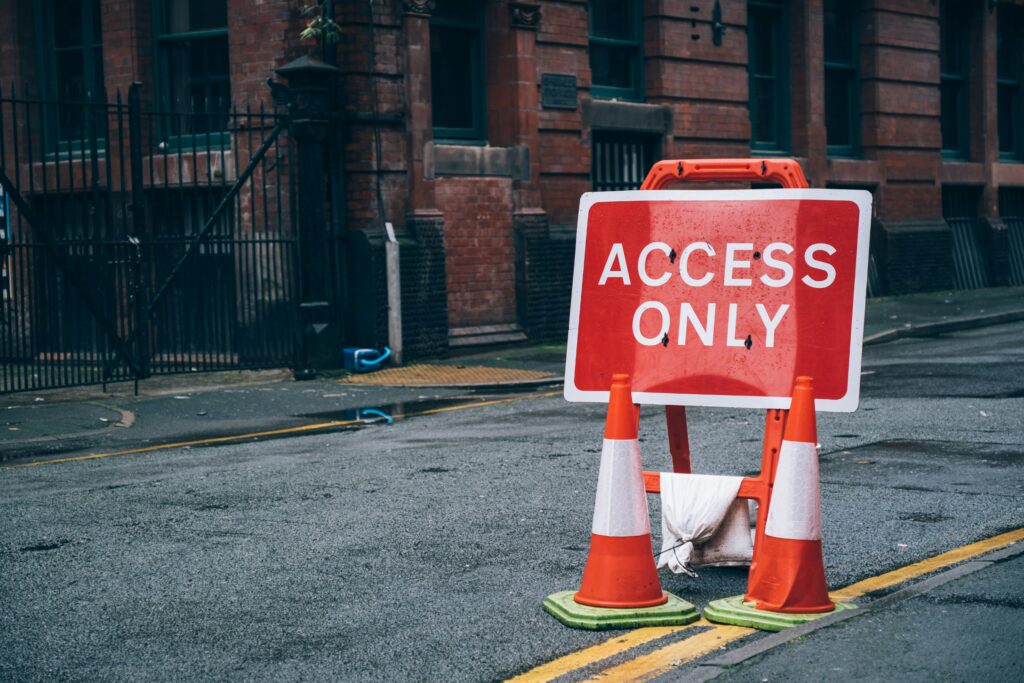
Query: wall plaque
[558,91]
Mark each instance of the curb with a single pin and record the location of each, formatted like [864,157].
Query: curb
[921,330]
[127,419]
[716,666]
[944,326]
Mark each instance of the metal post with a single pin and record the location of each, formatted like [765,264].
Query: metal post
[310,82]
[394,274]
[139,229]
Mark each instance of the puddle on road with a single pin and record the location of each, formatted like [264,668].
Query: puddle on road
[324,422]
[387,413]
[351,419]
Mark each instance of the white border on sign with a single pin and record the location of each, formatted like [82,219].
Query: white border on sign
[846,404]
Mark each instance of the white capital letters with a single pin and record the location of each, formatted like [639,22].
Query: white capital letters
[616,256]
[642,265]
[730,339]
[684,273]
[770,323]
[827,268]
[638,335]
[732,264]
[785,267]
[705,331]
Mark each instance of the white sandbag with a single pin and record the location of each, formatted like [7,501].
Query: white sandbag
[693,507]
[732,545]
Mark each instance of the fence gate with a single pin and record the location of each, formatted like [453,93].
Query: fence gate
[138,241]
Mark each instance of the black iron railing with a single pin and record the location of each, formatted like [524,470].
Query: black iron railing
[160,242]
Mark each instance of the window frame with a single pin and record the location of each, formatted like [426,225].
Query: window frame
[637,92]
[950,10]
[46,77]
[475,134]
[180,141]
[851,71]
[1011,17]
[783,132]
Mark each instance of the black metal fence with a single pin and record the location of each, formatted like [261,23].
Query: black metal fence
[135,241]
[970,260]
[1011,208]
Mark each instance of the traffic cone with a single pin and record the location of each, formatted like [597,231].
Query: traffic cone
[788,573]
[620,570]
[786,585]
[620,586]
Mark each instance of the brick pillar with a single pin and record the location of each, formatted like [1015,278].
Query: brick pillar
[127,47]
[18,49]
[424,284]
[419,119]
[515,103]
[899,50]
[521,41]
[808,89]
[985,141]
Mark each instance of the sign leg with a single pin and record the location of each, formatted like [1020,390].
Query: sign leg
[678,439]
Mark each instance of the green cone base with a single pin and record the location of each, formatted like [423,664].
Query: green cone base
[675,612]
[737,612]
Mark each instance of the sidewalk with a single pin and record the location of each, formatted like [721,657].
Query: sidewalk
[213,404]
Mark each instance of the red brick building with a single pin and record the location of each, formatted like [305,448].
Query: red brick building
[474,126]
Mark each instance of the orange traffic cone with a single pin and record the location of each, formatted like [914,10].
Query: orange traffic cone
[620,587]
[620,570]
[788,573]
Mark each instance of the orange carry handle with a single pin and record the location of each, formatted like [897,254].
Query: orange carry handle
[786,172]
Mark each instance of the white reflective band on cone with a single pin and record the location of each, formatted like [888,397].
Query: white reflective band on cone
[795,512]
[621,505]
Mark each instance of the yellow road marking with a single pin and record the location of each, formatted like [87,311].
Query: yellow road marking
[874,583]
[649,666]
[595,653]
[655,663]
[271,432]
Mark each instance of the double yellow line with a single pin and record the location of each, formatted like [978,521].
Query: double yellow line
[270,433]
[709,637]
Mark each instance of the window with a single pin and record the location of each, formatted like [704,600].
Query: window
[456,71]
[767,46]
[192,64]
[1010,82]
[954,40]
[621,160]
[616,49]
[71,69]
[842,96]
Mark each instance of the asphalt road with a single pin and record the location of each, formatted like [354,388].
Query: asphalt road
[959,631]
[422,550]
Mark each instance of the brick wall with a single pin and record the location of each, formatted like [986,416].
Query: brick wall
[544,264]
[424,314]
[479,250]
[496,247]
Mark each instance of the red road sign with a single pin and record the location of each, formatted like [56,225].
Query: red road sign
[720,298]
